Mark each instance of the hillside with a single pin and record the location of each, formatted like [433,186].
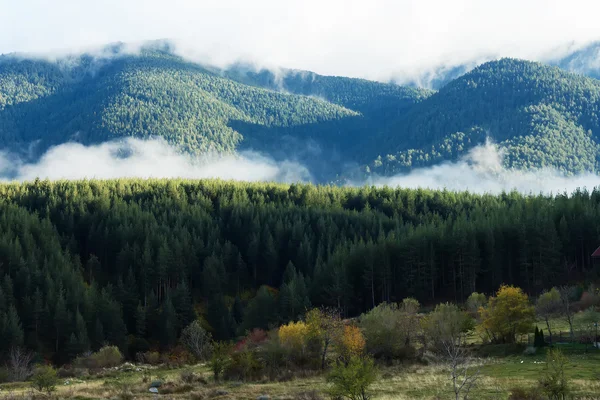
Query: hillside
[542,116]
[88,262]
[151,94]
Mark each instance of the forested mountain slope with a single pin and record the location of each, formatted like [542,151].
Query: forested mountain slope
[83,263]
[371,99]
[151,94]
[542,115]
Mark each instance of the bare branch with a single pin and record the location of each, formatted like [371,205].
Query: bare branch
[19,363]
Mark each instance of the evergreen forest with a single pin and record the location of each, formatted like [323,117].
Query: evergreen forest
[133,262]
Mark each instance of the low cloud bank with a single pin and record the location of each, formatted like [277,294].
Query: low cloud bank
[482,171]
[147,159]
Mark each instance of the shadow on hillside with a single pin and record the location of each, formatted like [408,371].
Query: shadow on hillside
[327,149]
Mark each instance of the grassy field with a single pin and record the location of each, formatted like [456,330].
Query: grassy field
[499,373]
[498,376]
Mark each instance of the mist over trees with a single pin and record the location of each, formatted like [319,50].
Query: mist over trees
[340,128]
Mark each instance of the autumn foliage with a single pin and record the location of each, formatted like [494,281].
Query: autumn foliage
[507,315]
[352,343]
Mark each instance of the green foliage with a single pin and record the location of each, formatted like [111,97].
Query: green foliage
[538,338]
[385,331]
[106,357]
[90,263]
[541,116]
[446,325]
[244,365]
[352,380]
[554,383]
[44,379]
[219,359]
[475,302]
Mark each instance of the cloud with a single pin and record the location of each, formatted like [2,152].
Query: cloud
[379,39]
[482,171]
[147,159]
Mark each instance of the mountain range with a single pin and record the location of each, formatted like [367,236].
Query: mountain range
[541,115]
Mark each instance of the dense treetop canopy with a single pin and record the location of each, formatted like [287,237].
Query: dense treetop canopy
[86,262]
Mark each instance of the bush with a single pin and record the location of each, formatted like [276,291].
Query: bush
[475,302]
[219,359]
[44,379]
[352,380]
[524,394]
[243,366]
[273,356]
[386,330]
[149,357]
[108,356]
[293,338]
[554,383]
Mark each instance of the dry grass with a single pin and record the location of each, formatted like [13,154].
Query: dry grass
[412,382]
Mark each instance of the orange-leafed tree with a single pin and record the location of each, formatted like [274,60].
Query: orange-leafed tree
[351,343]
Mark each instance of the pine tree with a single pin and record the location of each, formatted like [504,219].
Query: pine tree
[168,323]
[140,321]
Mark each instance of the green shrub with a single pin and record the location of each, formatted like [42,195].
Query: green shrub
[274,356]
[243,366]
[352,381]
[553,382]
[388,329]
[44,379]
[108,356]
[219,359]
[149,357]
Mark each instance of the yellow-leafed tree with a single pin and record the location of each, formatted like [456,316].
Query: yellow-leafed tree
[293,335]
[507,315]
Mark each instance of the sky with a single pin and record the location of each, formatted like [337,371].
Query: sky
[375,39]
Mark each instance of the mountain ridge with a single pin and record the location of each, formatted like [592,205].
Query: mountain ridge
[541,115]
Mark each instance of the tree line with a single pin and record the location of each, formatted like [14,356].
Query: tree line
[133,262]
